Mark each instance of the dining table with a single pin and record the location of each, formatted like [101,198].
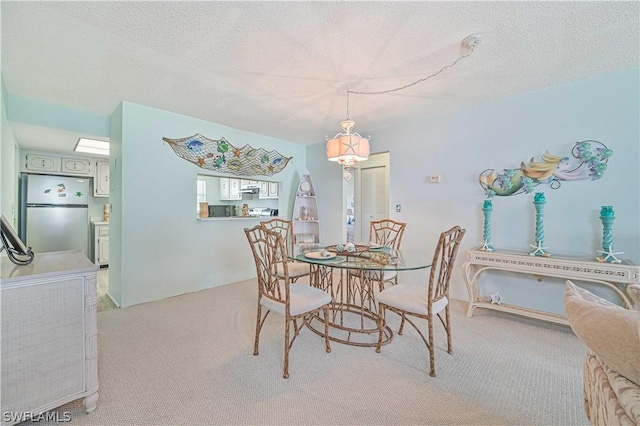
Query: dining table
[353,278]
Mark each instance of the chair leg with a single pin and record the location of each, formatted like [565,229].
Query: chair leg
[380,325]
[287,346]
[432,360]
[401,325]
[448,328]
[326,329]
[255,344]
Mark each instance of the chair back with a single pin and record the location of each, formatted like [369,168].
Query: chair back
[443,262]
[271,266]
[386,232]
[283,228]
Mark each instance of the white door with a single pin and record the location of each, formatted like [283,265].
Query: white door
[373,191]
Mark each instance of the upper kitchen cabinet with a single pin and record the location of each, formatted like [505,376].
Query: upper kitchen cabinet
[42,163]
[268,190]
[101,179]
[230,189]
[76,166]
[248,184]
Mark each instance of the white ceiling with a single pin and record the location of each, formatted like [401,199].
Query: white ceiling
[282,68]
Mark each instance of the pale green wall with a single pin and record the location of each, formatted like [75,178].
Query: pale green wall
[9,164]
[459,145]
[158,249]
[164,250]
[45,114]
[115,198]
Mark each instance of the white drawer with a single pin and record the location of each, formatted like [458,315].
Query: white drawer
[103,231]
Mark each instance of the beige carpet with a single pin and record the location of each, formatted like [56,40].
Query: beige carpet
[188,360]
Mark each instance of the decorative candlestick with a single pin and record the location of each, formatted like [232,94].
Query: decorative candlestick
[539,202]
[487,207]
[607,217]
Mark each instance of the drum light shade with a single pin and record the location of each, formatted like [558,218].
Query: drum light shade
[347,148]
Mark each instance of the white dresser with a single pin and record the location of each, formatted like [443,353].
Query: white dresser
[49,334]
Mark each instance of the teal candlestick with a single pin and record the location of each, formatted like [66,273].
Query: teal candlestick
[539,202]
[487,207]
[607,217]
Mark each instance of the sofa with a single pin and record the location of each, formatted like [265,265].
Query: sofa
[612,365]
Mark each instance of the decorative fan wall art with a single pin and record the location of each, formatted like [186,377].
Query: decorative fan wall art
[221,156]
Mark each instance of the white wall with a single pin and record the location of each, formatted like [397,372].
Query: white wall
[164,250]
[500,134]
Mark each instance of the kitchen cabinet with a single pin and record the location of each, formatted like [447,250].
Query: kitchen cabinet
[101,179]
[273,189]
[264,190]
[49,334]
[230,189]
[268,190]
[234,189]
[224,188]
[42,163]
[100,243]
[245,184]
[76,166]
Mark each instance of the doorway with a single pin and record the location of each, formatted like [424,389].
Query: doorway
[371,193]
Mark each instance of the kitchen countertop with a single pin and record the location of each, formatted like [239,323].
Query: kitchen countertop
[206,219]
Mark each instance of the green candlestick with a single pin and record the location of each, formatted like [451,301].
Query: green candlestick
[487,207]
[539,202]
[607,217]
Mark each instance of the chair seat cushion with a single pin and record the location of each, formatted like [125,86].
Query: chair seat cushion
[303,298]
[297,269]
[410,298]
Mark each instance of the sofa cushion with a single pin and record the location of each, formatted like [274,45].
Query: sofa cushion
[610,331]
[610,399]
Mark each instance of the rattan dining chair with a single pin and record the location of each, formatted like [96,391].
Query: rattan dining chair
[284,227]
[294,302]
[387,232]
[422,301]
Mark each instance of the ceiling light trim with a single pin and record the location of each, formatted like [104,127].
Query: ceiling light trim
[92,146]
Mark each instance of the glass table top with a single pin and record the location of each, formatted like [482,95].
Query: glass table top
[377,260]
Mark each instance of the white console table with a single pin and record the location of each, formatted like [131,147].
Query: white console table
[606,274]
[49,334]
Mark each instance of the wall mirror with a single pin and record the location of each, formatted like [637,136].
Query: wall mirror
[226,196]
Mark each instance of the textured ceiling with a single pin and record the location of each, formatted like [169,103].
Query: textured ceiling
[282,68]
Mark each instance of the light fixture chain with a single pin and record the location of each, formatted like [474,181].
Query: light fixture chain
[355,92]
[348,91]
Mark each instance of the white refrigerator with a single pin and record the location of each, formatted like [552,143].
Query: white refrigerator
[54,212]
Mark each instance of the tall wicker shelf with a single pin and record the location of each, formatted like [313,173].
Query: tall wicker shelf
[306,223]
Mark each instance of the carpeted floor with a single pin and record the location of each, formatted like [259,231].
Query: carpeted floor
[188,360]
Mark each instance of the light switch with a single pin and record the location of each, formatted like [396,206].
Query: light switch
[398,208]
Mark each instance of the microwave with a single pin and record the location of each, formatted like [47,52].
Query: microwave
[220,211]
